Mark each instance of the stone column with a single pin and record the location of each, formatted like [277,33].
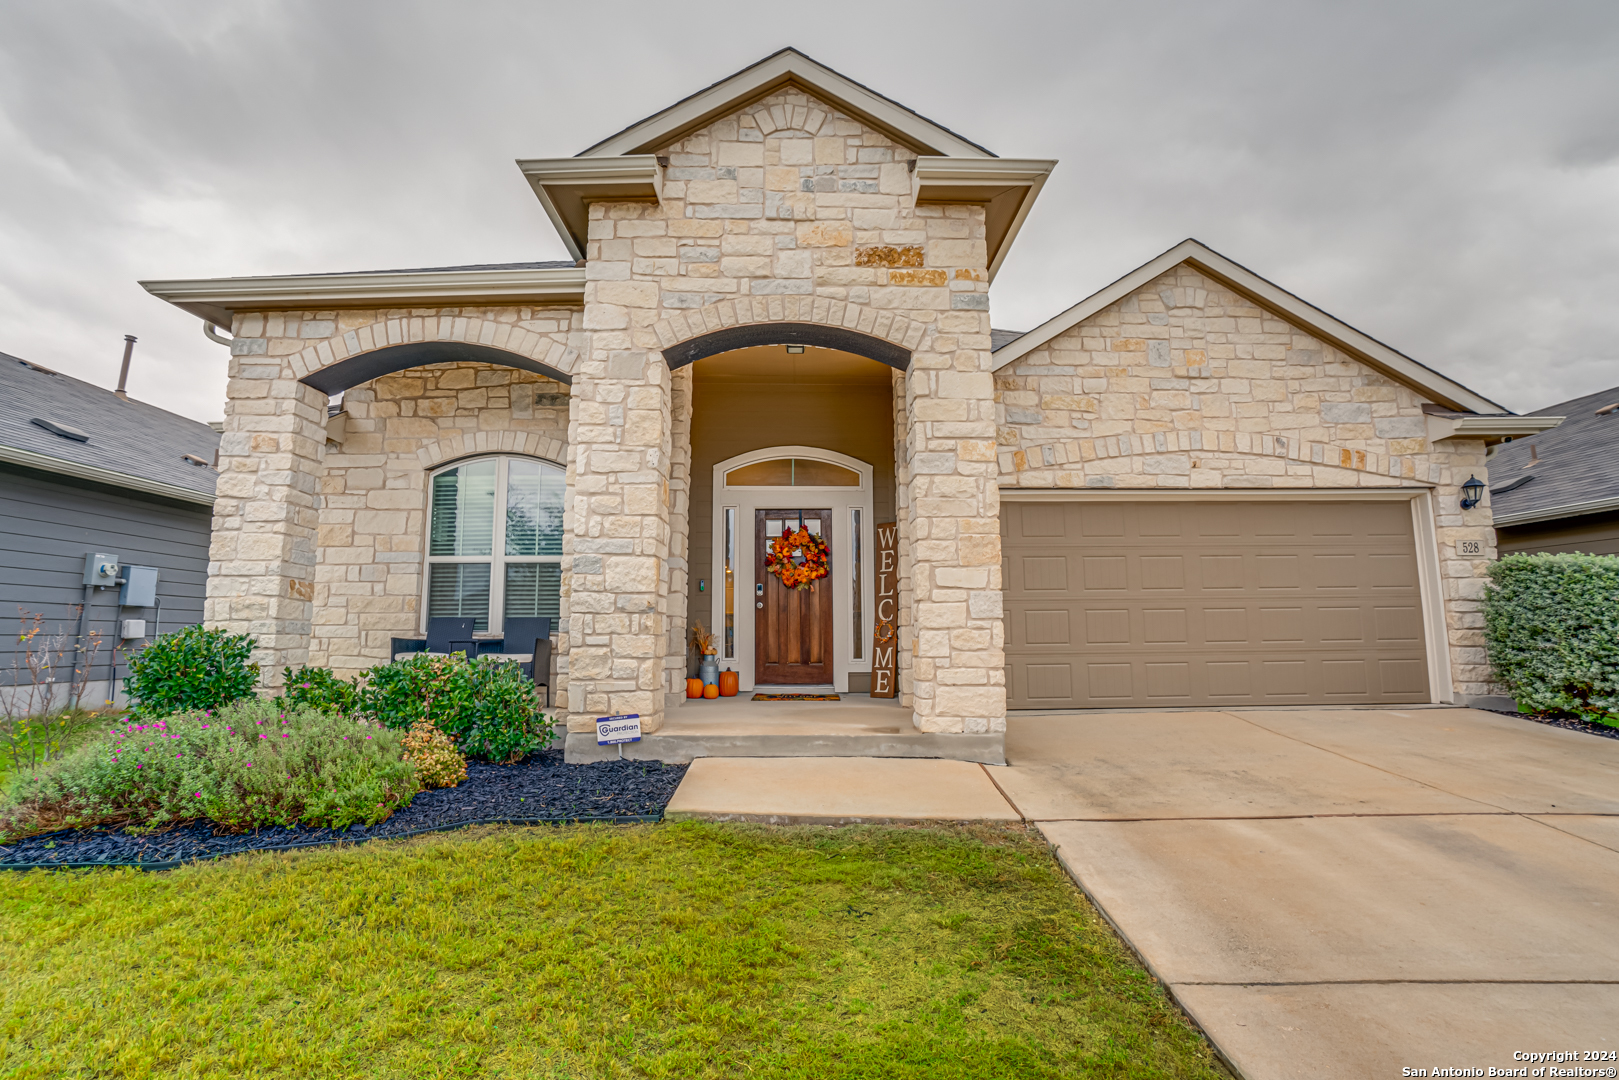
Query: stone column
[958,668]
[618,602]
[261,568]
[902,517]
[678,577]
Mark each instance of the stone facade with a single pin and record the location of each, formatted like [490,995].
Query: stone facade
[373,491]
[1186,384]
[293,525]
[786,211]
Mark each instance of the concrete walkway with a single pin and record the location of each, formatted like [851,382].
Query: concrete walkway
[1347,893]
[837,791]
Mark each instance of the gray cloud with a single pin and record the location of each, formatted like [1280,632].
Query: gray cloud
[1444,176]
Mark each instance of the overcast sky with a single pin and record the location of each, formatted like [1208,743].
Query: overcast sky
[1443,176]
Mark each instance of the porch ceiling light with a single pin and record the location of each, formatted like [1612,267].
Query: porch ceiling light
[1472,493]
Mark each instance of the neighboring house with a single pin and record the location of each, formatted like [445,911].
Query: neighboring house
[86,472]
[1192,488]
[1559,490]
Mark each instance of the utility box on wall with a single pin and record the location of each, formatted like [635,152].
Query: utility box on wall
[100,569]
[140,587]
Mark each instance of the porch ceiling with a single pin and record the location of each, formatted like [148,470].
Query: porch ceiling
[773,363]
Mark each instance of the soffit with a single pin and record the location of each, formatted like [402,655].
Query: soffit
[217,300]
[1005,187]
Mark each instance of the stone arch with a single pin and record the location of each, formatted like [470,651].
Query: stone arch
[393,344]
[1081,452]
[885,336]
[527,443]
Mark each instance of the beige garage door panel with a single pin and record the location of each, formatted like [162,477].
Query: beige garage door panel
[1211,603]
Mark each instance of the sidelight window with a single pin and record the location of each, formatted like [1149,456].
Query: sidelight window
[494,543]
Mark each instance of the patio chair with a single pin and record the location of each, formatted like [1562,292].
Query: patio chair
[525,637]
[448,635]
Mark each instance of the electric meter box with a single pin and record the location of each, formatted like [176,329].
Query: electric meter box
[100,569]
[140,587]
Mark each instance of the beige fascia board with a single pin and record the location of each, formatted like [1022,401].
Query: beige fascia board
[45,463]
[770,74]
[1370,351]
[1529,517]
[1312,494]
[1005,187]
[567,186]
[1488,427]
[219,299]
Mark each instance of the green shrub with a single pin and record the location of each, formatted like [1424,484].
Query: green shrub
[318,688]
[190,670]
[245,766]
[487,706]
[1552,630]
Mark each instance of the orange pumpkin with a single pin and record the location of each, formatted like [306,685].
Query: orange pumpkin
[694,688]
[729,680]
[711,691]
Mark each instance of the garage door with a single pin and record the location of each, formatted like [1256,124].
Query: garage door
[1113,604]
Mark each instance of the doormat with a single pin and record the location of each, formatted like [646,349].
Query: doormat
[796,697]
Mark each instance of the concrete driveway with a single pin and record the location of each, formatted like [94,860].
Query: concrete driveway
[1348,893]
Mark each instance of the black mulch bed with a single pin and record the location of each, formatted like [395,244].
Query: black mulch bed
[1564,720]
[538,790]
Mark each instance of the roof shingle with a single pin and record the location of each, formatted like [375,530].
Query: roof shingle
[127,437]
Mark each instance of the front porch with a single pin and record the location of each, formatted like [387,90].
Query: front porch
[858,725]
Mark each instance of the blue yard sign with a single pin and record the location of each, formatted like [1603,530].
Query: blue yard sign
[611,730]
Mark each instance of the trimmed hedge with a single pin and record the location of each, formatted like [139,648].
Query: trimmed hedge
[1552,631]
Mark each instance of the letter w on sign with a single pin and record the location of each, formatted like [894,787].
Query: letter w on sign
[885,628]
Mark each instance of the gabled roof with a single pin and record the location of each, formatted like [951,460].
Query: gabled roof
[1570,470]
[779,69]
[132,444]
[1267,294]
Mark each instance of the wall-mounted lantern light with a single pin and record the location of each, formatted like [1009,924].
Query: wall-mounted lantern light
[1472,493]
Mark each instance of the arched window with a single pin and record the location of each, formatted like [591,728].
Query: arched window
[493,566]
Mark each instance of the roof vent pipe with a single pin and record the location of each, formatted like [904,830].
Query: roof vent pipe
[123,372]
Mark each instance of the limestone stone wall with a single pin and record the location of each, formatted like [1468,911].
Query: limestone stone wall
[290,538]
[261,557]
[786,211]
[1186,384]
[373,492]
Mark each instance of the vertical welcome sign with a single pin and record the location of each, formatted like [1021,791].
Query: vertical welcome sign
[885,629]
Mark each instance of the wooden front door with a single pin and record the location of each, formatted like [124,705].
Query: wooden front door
[792,628]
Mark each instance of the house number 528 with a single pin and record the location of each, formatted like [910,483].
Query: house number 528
[1471,547]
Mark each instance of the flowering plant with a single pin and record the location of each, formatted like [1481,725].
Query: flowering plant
[797,558]
[247,765]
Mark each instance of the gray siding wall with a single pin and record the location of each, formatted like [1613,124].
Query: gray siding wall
[47,525]
[1593,534]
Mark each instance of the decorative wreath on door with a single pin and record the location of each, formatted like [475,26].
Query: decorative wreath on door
[797,558]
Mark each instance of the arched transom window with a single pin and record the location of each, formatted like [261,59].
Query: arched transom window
[494,541]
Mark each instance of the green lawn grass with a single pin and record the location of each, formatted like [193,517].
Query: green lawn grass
[679,950]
